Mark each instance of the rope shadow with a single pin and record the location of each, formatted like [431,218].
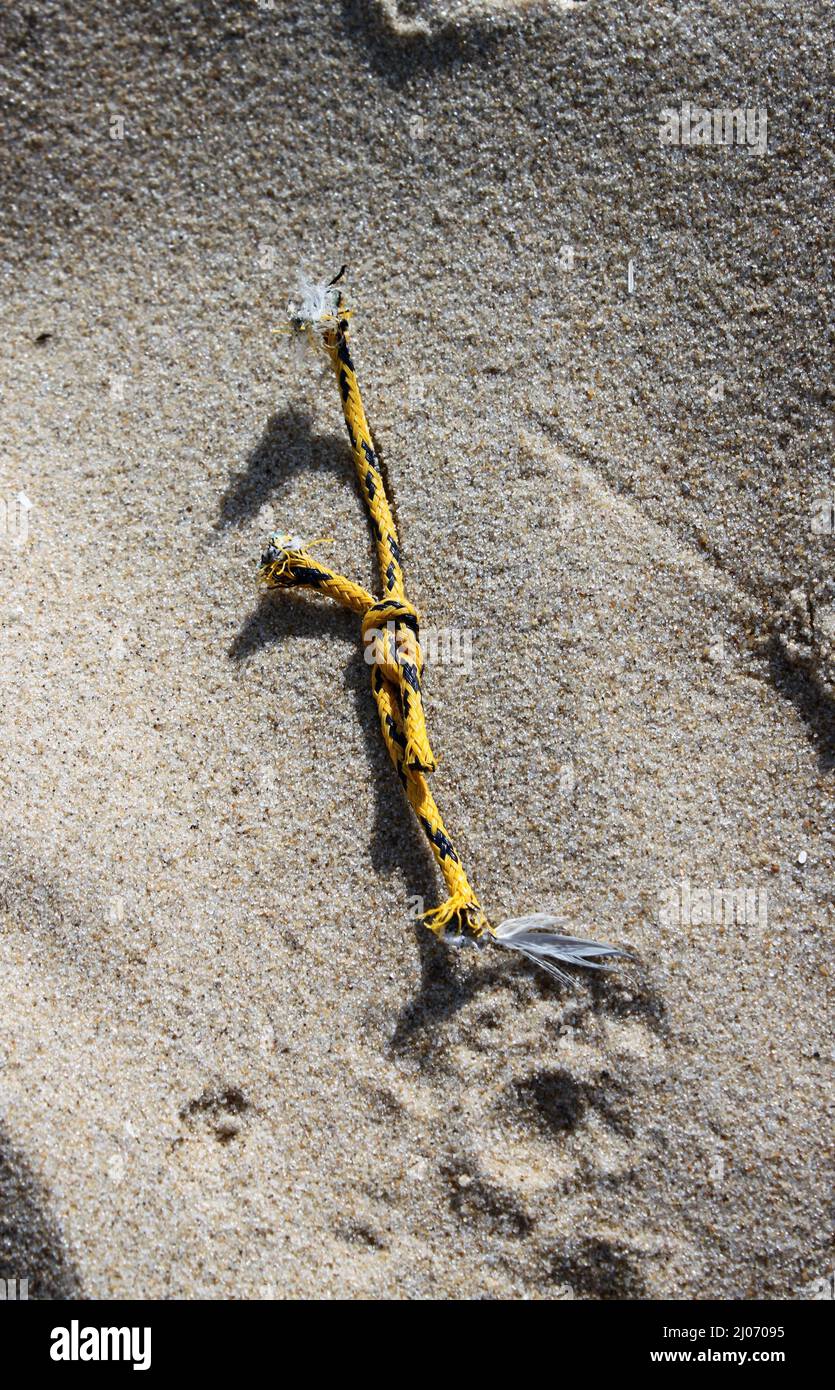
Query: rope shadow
[287,446]
[442,992]
[396,55]
[814,706]
[31,1244]
[272,623]
[396,843]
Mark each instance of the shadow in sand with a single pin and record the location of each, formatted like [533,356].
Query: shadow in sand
[441,993]
[396,54]
[31,1246]
[288,616]
[814,706]
[629,995]
[396,840]
[287,446]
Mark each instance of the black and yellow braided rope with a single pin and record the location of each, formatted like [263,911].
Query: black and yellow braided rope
[417,754]
[391,634]
[287,564]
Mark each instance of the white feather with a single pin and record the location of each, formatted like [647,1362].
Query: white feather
[533,938]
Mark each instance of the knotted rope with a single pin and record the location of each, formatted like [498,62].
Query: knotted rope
[391,636]
[287,564]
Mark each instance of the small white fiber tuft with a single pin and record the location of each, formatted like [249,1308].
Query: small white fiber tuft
[315,305]
[314,311]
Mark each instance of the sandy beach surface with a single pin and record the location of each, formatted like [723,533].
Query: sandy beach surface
[596,362]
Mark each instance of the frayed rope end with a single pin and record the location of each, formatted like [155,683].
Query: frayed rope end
[282,552]
[457,920]
[316,311]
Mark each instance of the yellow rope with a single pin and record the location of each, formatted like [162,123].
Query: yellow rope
[417,754]
[390,633]
[390,624]
[287,563]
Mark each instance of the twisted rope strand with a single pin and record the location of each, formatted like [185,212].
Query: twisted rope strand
[287,564]
[390,633]
[418,754]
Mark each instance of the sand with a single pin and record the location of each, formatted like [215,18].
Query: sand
[231,1064]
